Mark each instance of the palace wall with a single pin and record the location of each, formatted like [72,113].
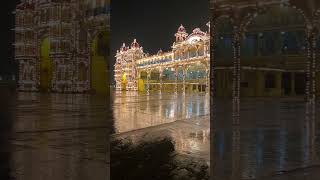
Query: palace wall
[67,31]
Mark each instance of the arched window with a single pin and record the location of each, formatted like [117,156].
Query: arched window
[249,45]
[290,44]
[224,47]
[268,44]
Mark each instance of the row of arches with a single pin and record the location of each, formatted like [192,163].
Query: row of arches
[191,51]
[193,72]
[175,78]
[97,73]
[277,40]
[280,30]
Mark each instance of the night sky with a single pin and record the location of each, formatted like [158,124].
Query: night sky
[154,23]
[7,65]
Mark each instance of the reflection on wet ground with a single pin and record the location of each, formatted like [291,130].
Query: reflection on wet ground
[275,139]
[183,117]
[133,111]
[66,136]
[58,136]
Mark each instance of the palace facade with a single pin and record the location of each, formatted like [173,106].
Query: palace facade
[265,48]
[62,45]
[184,68]
[258,49]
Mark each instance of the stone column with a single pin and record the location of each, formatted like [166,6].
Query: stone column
[236,75]
[212,70]
[236,106]
[311,66]
[212,86]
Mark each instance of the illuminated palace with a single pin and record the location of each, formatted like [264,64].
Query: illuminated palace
[62,45]
[265,48]
[184,68]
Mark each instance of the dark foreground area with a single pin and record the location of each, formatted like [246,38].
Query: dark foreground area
[156,160]
[54,136]
[5,135]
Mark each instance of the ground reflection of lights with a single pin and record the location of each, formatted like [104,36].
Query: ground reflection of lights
[141,111]
[188,125]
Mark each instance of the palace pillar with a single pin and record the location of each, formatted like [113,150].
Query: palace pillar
[236,66]
[311,65]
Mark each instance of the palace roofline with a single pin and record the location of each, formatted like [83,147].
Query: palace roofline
[181,33]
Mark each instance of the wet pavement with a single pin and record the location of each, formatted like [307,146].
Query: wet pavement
[66,136]
[275,139]
[182,117]
[55,136]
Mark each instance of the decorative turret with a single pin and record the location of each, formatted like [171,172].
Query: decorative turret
[181,35]
[135,44]
[123,48]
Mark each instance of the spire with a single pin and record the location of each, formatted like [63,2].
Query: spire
[181,34]
[135,44]
[123,47]
[181,28]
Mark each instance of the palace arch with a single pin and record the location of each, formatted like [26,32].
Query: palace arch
[142,80]
[278,52]
[196,77]
[251,47]
[100,63]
